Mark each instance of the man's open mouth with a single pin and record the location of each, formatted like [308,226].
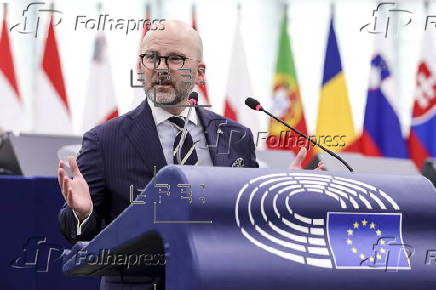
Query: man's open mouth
[163,83]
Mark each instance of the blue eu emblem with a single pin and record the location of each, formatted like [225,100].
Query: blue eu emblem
[367,241]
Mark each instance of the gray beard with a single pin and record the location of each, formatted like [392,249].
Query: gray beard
[180,95]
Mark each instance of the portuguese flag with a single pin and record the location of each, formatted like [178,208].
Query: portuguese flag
[286,102]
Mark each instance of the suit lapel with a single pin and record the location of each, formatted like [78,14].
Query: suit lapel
[217,133]
[142,133]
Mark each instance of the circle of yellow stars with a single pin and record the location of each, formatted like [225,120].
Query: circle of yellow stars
[364,223]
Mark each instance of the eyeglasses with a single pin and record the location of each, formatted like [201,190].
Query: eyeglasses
[152,60]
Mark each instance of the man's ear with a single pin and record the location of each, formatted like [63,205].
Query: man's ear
[201,74]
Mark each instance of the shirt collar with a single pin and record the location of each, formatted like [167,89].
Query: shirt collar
[160,115]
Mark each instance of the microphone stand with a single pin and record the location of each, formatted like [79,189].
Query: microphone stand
[313,142]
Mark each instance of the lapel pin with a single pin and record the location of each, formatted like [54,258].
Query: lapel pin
[219,131]
[239,162]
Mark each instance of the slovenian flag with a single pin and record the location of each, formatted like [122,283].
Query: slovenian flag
[422,139]
[382,131]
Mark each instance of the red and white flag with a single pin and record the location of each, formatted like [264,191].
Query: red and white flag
[239,87]
[139,94]
[101,103]
[52,109]
[201,89]
[11,104]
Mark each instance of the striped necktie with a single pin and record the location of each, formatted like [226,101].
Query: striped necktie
[188,154]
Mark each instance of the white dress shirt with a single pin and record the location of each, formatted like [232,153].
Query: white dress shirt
[167,133]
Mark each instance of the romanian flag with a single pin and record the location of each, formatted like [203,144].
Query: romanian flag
[335,128]
[286,102]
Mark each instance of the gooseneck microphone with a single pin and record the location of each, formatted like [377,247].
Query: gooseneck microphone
[255,105]
[193,101]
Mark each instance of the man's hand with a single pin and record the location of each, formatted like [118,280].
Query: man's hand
[76,190]
[296,163]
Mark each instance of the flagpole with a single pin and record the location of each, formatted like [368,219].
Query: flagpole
[5,10]
[332,9]
[193,16]
[285,10]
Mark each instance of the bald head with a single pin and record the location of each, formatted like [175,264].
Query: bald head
[177,36]
[171,60]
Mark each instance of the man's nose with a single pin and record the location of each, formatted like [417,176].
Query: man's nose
[161,65]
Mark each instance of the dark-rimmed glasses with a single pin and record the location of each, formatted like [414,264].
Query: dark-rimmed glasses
[152,60]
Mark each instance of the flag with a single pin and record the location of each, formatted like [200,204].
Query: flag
[139,93]
[367,240]
[239,86]
[201,89]
[335,128]
[11,104]
[422,138]
[101,104]
[381,134]
[287,104]
[52,109]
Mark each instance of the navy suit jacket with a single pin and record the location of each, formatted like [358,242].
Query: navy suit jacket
[124,151]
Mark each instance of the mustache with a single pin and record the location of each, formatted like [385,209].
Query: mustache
[163,82]
[163,79]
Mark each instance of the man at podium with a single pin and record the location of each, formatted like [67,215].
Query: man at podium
[124,153]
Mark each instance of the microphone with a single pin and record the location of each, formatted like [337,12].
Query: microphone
[255,105]
[193,101]
[193,98]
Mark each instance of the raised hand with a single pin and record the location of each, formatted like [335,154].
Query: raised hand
[75,190]
[296,163]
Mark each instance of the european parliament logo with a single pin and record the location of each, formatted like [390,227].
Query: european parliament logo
[365,234]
